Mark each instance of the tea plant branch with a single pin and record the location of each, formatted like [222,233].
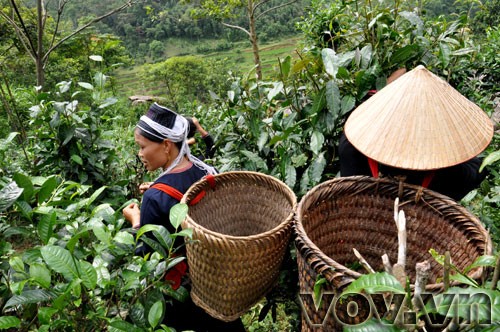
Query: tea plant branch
[363,261]
[447,267]
[387,263]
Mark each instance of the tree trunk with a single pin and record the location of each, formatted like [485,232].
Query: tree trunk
[40,75]
[254,40]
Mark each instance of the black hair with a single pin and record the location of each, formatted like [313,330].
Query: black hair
[192,127]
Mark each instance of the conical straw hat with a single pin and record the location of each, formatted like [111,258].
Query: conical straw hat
[419,122]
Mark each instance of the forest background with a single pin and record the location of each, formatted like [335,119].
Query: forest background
[68,161]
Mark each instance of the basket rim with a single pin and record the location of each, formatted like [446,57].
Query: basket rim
[323,263]
[188,222]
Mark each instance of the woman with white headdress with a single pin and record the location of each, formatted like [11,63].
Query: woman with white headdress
[161,135]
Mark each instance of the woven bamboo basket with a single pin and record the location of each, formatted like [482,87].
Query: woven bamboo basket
[241,230]
[358,212]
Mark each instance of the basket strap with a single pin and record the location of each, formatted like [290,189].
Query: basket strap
[374,169]
[171,191]
[177,195]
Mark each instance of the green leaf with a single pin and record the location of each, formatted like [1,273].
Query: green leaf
[285,65]
[40,274]
[155,314]
[70,245]
[88,275]
[330,61]
[8,322]
[178,213]
[47,188]
[122,326]
[374,283]
[8,195]
[404,54]
[125,238]
[444,54]
[86,85]
[17,264]
[317,140]
[30,296]
[60,260]
[77,159]
[46,226]
[317,167]
[97,58]
[95,195]
[264,136]
[188,232]
[333,100]
[290,175]
[482,261]
[488,160]
[371,325]
[45,314]
[102,233]
[24,182]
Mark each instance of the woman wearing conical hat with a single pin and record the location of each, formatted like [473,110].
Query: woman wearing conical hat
[419,127]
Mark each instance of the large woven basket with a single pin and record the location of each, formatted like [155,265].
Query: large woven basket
[358,212]
[241,230]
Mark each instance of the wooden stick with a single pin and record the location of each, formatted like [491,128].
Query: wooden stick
[363,261]
[422,271]
[401,222]
[387,263]
[447,267]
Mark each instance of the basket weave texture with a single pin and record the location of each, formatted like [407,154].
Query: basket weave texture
[241,230]
[358,212]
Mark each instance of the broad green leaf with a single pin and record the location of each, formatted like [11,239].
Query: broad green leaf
[40,274]
[482,261]
[444,54]
[333,100]
[45,314]
[122,326]
[97,58]
[317,167]
[317,140]
[77,159]
[277,88]
[318,286]
[155,246]
[330,61]
[264,136]
[155,314]
[30,296]
[374,283]
[102,233]
[86,85]
[144,229]
[488,160]
[290,175]
[8,322]
[125,238]
[8,195]
[253,157]
[60,260]
[188,232]
[46,226]
[16,263]
[405,53]
[285,65]
[24,182]
[178,213]
[47,188]
[138,314]
[95,195]
[372,325]
[70,245]
[88,275]
[463,279]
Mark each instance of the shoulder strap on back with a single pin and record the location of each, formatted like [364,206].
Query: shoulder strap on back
[171,191]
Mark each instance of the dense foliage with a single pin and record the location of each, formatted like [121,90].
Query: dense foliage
[67,156]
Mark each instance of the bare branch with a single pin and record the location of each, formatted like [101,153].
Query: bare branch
[237,27]
[274,8]
[22,37]
[26,34]
[116,10]
[363,261]
[58,21]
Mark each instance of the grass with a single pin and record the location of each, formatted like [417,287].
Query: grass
[240,57]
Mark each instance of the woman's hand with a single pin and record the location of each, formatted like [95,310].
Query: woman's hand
[132,213]
[144,186]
